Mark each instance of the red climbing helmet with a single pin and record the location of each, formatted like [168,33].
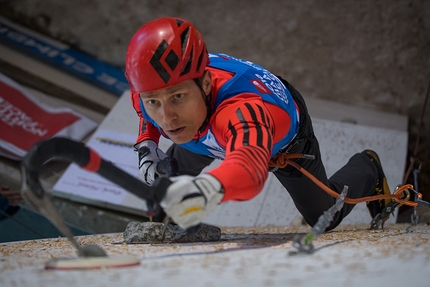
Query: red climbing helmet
[165,52]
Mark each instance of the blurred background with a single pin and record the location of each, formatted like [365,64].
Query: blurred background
[368,53]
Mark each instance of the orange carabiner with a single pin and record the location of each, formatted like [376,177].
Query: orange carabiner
[405,188]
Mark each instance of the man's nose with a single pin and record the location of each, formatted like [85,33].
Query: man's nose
[169,113]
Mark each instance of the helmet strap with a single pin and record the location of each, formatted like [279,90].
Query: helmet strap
[208,100]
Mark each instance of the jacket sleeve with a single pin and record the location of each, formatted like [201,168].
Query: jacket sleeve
[146,129]
[247,129]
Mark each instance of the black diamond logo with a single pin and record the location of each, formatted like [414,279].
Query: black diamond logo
[172,60]
[156,64]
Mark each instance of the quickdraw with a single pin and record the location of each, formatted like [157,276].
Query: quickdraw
[414,160]
[414,216]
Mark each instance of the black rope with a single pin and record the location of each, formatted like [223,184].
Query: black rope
[421,124]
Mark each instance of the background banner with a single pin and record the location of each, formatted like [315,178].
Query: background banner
[24,120]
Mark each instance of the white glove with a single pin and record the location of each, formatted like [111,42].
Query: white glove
[149,156]
[189,200]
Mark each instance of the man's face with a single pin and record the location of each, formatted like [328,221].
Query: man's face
[179,110]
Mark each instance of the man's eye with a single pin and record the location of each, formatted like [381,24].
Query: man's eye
[179,96]
[151,102]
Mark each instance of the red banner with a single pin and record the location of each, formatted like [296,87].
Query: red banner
[24,121]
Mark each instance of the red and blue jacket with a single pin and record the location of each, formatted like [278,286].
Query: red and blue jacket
[253,117]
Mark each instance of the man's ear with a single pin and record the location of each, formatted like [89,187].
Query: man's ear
[207,82]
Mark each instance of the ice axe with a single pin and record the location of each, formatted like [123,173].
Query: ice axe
[72,151]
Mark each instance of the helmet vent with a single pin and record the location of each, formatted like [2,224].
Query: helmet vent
[179,22]
[199,61]
[189,62]
[184,39]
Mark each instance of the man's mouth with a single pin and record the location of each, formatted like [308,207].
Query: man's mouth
[176,131]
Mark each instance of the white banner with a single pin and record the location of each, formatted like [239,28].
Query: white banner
[112,146]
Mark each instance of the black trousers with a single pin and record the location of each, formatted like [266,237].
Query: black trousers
[359,174]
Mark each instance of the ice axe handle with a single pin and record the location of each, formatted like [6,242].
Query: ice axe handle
[72,151]
[166,168]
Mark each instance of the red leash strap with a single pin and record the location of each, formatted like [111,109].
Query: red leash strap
[93,162]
